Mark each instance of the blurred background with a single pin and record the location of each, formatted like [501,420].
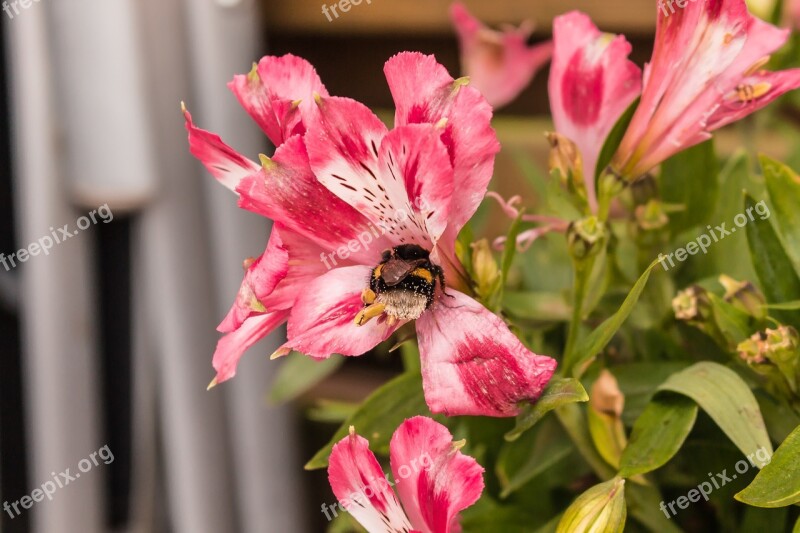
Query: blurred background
[106,340]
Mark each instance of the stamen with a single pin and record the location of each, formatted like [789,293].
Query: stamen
[368,297]
[370,312]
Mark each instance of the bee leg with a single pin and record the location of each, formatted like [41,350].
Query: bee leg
[368,313]
[440,275]
[368,296]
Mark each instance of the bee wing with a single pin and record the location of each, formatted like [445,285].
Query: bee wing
[396,270]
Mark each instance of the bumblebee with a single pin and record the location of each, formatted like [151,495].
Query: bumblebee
[402,286]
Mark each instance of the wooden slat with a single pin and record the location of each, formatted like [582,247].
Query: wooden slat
[431,16]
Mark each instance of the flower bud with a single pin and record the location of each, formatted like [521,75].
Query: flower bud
[693,306]
[744,296]
[601,508]
[485,270]
[566,158]
[651,216]
[586,238]
[772,351]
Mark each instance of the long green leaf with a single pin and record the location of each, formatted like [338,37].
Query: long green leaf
[560,391]
[614,139]
[298,374]
[727,399]
[380,414]
[783,186]
[592,345]
[778,483]
[690,179]
[778,277]
[658,434]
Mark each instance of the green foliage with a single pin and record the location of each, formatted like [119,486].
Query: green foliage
[778,483]
[560,391]
[298,374]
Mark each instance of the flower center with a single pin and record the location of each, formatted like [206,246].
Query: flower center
[402,285]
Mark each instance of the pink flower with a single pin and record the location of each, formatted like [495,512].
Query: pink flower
[434,480]
[706,72]
[347,195]
[793,8]
[591,84]
[500,64]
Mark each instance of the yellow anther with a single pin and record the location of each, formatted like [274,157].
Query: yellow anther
[369,312]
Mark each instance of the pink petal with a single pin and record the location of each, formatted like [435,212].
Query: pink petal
[260,279]
[222,161]
[356,158]
[500,65]
[360,486]
[288,192]
[472,364]
[232,346]
[703,54]
[732,108]
[435,481]
[271,92]
[424,92]
[591,84]
[322,321]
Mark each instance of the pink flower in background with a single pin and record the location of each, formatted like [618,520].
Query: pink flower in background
[500,64]
[793,8]
[706,72]
[591,84]
[434,480]
[341,189]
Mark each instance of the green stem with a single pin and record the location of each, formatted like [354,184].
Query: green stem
[583,271]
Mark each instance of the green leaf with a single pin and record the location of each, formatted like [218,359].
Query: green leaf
[638,382]
[778,277]
[643,505]
[593,344]
[783,186]
[614,139]
[690,179]
[331,411]
[658,434]
[560,391]
[727,399]
[380,414]
[778,483]
[536,452]
[601,508]
[298,374]
[797,527]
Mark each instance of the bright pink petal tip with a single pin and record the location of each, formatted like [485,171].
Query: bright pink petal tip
[591,84]
[473,365]
[436,480]
[278,94]
[500,64]
[223,162]
[232,346]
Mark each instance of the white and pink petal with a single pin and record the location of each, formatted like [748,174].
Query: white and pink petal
[358,482]
[232,346]
[435,480]
[472,364]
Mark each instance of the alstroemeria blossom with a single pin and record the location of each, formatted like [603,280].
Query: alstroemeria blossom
[500,64]
[591,84]
[434,480]
[346,193]
[706,72]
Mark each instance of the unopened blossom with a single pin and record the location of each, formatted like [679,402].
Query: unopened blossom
[592,82]
[500,64]
[365,225]
[433,479]
[707,71]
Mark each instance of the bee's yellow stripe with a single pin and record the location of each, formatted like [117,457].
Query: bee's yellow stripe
[424,274]
[377,272]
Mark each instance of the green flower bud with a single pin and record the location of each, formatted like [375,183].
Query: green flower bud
[744,296]
[586,238]
[601,508]
[693,306]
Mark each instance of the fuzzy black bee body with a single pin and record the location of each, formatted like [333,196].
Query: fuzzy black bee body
[402,286]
